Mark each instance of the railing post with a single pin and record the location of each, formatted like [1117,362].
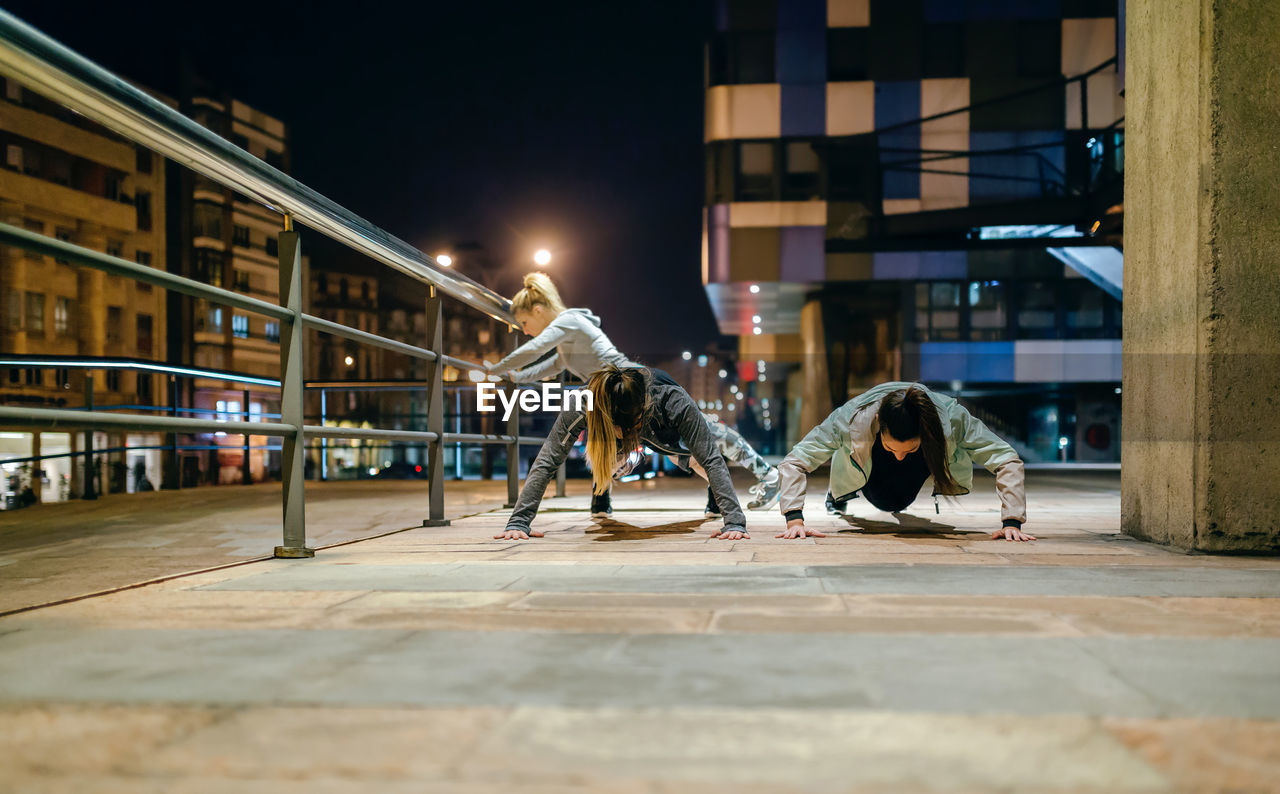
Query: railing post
[293,448]
[172,478]
[513,448]
[324,448]
[435,413]
[90,467]
[246,471]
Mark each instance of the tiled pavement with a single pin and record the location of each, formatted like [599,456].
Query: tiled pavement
[638,655]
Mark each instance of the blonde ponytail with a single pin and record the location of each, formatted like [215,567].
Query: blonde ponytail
[538,291]
[618,397]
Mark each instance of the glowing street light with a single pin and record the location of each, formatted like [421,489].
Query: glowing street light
[542,257]
[686,355]
[755,318]
[349,361]
[444,260]
[755,288]
[724,373]
[756,330]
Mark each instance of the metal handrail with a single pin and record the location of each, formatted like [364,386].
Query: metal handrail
[48,67]
[39,62]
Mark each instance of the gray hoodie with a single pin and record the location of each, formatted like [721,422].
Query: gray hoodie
[581,347]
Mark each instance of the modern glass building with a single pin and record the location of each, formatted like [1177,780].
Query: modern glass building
[922,190]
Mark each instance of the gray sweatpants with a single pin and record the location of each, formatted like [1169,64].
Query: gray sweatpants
[735,448]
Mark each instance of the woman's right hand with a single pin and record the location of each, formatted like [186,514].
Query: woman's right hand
[516,534]
[796,529]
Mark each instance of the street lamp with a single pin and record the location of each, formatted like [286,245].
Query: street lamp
[444,260]
[542,257]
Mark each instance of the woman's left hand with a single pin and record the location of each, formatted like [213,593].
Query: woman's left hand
[731,534]
[1011,533]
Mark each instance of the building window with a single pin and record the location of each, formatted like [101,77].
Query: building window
[115,319]
[343,291]
[13,311]
[35,377]
[800,178]
[242,280]
[142,160]
[111,187]
[35,227]
[755,178]
[937,311]
[144,334]
[208,266]
[31,161]
[272,331]
[64,234]
[215,319]
[988,319]
[62,378]
[273,245]
[206,220]
[113,380]
[240,235]
[1085,310]
[35,313]
[1037,315]
[240,326]
[943,50]
[63,314]
[142,203]
[13,157]
[146,395]
[115,248]
[364,290]
[847,51]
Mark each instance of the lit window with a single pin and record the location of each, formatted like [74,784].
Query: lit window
[240,326]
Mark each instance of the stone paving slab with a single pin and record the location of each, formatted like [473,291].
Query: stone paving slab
[1097,676]
[922,579]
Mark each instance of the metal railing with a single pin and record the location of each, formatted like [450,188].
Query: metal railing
[47,67]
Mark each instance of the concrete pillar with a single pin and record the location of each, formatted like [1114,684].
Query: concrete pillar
[817,385]
[1201,414]
[37,467]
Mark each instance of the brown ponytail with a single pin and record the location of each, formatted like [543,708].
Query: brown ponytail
[620,396]
[910,414]
[538,291]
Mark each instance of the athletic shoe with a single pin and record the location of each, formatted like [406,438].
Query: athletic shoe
[766,491]
[835,508]
[601,506]
[713,509]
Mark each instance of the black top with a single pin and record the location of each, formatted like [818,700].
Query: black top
[894,484]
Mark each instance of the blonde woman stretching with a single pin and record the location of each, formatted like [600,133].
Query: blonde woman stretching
[576,343]
[630,406]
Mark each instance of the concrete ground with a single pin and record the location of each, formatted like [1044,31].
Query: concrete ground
[904,653]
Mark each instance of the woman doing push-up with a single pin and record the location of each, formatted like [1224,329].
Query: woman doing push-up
[887,443]
[631,406]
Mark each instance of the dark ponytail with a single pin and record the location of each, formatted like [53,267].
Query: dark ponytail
[910,414]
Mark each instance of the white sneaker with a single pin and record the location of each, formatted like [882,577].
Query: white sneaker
[766,491]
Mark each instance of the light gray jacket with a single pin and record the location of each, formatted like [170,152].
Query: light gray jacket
[581,347]
[848,433]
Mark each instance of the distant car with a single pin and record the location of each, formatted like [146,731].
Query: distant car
[402,471]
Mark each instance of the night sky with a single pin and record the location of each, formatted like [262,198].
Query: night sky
[571,125]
